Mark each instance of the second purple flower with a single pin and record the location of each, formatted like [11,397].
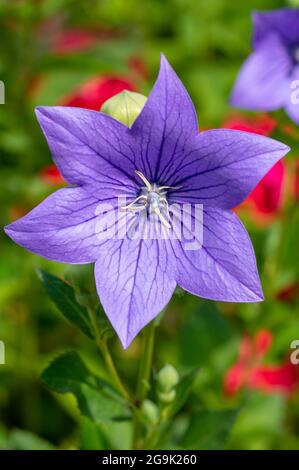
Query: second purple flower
[269,78]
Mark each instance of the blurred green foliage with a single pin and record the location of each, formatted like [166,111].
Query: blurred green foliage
[205,42]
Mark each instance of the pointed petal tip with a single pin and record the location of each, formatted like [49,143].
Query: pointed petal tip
[249,296]
[7,230]
[286,149]
[258,294]
[259,297]
[125,338]
[162,57]
[282,148]
[48,111]
[125,342]
[164,62]
[11,232]
[42,112]
[38,112]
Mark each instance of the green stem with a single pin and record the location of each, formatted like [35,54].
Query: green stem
[102,345]
[144,374]
[153,437]
[112,369]
[146,362]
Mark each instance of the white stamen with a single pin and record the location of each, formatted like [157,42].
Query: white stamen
[143,178]
[152,200]
[129,206]
[162,218]
[169,187]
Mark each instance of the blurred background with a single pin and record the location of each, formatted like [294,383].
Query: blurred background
[80,53]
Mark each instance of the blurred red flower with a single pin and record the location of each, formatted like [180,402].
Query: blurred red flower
[74,40]
[289,293]
[93,93]
[267,196]
[266,199]
[248,371]
[51,176]
[138,67]
[261,124]
[275,379]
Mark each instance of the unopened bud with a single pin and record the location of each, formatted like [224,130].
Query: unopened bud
[167,378]
[124,107]
[150,411]
[167,397]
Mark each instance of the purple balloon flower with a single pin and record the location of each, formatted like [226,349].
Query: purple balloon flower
[269,79]
[160,162]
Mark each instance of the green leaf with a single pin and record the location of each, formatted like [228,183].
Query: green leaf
[260,422]
[63,296]
[209,430]
[96,398]
[118,434]
[25,440]
[91,437]
[3,437]
[204,331]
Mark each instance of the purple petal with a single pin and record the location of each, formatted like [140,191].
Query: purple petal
[65,227]
[134,285]
[89,148]
[224,268]
[292,106]
[263,82]
[224,167]
[284,22]
[164,126]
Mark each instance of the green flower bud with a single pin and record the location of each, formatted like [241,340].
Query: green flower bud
[167,397]
[150,411]
[167,378]
[124,107]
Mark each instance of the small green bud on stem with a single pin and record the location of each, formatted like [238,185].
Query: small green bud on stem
[167,397]
[167,378]
[150,411]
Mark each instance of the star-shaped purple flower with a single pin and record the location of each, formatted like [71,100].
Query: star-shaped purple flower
[162,160]
[269,78]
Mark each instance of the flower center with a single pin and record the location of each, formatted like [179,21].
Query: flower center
[152,199]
